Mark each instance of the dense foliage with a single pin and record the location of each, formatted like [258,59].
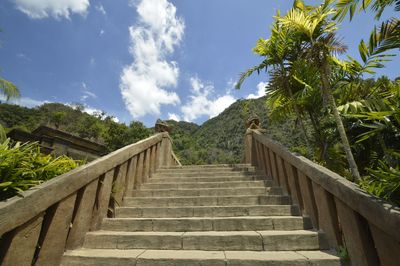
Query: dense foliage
[97,127]
[354,122]
[23,166]
[220,139]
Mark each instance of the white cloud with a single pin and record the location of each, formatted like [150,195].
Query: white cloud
[101,33]
[143,83]
[260,91]
[38,9]
[173,116]
[101,9]
[87,93]
[23,101]
[23,56]
[200,103]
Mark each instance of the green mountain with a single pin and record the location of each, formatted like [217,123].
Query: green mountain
[220,139]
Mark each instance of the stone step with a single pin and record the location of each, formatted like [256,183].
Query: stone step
[205,192]
[193,185]
[193,174]
[201,211]
[141,257]
[190,224]
[205,201]
[203,179]
[206,170]
[207,166]
[206,240]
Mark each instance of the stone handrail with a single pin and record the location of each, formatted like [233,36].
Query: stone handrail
[349,217]
[36,228]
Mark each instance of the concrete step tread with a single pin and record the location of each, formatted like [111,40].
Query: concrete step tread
[225,182]
[206,197]
[257,233]
[207,166]
[200,255]
[205,189]
[197,180]
[204,211]
[231,174]
[207,240]
[207,218]
[191,224]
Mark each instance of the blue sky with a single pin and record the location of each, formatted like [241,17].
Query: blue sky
[144,59]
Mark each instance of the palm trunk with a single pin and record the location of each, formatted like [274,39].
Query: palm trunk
[325,72]
[296,107]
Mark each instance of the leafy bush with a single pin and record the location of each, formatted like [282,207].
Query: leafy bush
[22,166]
[383,182]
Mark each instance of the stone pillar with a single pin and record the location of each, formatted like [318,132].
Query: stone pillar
[250,153]
[164,159]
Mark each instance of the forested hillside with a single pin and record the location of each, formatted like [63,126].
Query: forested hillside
[97,127]
[220,139]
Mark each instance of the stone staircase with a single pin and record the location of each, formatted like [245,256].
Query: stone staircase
[205,215]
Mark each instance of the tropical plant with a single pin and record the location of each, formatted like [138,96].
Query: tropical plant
[22,166]
[278,51]
[8,89]
[317,32]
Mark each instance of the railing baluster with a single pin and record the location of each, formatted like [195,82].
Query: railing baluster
[282,174]
[294,184]
[359,242]
[18,246]
[268,160]
[139,171]
[152,160]
[81,220]
[54,232]
[273,167]
[327,215]
[146,169]
[102,201]
[119,182]
[307,193]
[386,246]
[130,176]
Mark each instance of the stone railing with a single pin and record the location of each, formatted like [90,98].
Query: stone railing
[36,228]
[349,217]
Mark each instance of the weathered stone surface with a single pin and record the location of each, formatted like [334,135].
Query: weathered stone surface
[19,245]
[290,240]
[83,216]
[55,231]
[206,211]
[244,240]
[203,223]
[252,258]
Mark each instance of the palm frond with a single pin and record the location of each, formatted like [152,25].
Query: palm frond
[8,89]
[249,72]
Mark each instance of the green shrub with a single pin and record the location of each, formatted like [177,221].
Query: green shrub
[22,166]
[383,182]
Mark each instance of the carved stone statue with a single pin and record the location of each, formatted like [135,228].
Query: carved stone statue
[162,126]
[254,123]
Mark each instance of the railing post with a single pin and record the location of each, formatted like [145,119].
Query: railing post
[166,144]
[248,147]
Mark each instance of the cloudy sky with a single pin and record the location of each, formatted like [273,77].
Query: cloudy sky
[143,59]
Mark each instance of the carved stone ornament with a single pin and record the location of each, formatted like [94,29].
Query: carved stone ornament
[162,126]
[254,123]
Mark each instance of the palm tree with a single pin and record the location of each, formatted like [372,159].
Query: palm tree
[317,33]
[278,52]
[8,89]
